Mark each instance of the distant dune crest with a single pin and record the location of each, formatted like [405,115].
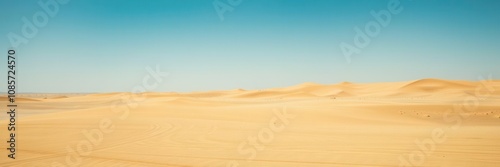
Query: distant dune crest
[431,85]
[422,87]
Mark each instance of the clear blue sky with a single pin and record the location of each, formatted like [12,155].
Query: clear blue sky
[104,46]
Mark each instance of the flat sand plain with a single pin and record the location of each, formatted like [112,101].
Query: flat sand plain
[428,122]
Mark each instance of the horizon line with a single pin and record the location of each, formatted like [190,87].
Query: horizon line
[303,83]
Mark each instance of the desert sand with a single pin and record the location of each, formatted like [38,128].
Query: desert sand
[428,122]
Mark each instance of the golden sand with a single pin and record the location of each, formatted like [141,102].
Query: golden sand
[427,122]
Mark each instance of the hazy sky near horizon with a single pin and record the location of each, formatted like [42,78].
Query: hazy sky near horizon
[105,46]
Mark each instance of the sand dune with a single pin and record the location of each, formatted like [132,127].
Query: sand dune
[434,85]
[310,125]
